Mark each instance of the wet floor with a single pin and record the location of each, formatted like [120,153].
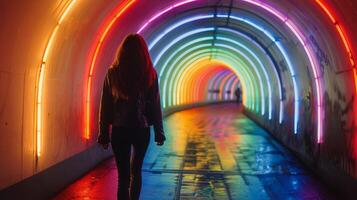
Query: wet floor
[212,152]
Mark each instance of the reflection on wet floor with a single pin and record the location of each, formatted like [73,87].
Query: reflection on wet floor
[212,152]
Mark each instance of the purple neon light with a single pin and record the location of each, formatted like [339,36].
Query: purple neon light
[313,61]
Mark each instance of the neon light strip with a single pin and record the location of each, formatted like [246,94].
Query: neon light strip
[260,64]
[228,86]
[229,59]
[193,55]
[255,70]
[207,53]
[170,101]
[162,69]
[310,54]
[99,43]
[234,86]
[163,12]
[202,76]
[177,24]
[281,110]
[214,84]
[167,30]
[307,50]
[183,74]
[199,76]
[193,71]
[164,66]
[286,58]
[183,86]
[194,76]
[174,26]
[185,35]
[223,84]
[41,77]
[342,34]
[194,18]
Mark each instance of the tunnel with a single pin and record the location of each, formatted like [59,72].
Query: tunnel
[293,61]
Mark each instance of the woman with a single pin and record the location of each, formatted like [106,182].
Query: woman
[130,103]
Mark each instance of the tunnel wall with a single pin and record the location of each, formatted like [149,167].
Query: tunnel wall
[334,160]
[25,33]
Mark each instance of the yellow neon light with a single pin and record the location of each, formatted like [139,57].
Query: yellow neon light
[180,93]
[187,81]
[41,79]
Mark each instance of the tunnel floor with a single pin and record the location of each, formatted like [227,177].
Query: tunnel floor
[212,152]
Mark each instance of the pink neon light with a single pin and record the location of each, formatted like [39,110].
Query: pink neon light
[312,61]
[228,87]
[223,83]
[205,78]
[234,86]
[196,83]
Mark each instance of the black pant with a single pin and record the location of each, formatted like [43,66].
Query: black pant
[129,146]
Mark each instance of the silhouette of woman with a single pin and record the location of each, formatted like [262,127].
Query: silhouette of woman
[130,102]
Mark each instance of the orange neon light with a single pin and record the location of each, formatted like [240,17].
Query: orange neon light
[40,80]
[202,82]
[193,81]
[92,64]
[327,11]
[181,93]
[192,74]
[344,40]
[197,85]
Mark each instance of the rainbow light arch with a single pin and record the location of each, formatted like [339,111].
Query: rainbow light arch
[301,38]
[325,8]
[328,11]
[202,17]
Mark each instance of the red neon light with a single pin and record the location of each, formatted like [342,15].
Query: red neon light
[327,11]
[343,36]
[99,43]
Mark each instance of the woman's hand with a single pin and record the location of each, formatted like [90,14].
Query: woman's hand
[159,139]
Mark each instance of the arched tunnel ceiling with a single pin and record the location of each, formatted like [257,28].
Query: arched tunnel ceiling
[279,51]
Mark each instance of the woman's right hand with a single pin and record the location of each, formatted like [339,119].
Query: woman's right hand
[160,139]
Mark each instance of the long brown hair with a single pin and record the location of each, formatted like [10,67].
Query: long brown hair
[133,68]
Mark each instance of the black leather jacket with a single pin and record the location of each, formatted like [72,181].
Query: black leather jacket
[140,112]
